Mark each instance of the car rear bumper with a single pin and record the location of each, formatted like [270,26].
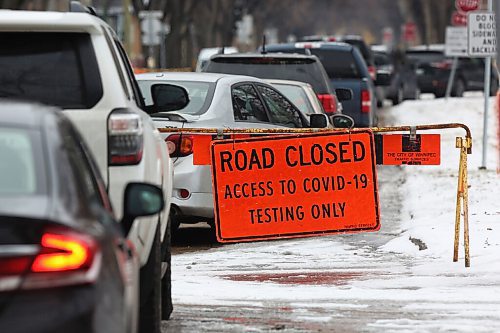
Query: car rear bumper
[61,310]
[197,207]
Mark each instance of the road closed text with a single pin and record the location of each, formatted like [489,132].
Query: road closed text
[276,187]
[294,156]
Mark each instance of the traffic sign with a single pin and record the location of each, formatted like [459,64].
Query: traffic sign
[458,19]
[467,5]
[294,186]
[481,34]
[456,42]
[403,149]
[409,32]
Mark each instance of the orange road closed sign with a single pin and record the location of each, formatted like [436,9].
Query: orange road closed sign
[295,186]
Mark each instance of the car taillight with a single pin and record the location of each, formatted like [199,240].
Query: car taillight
[373,72]
[63,253]
[366,102]
[329,103]
[446,64]
[125,138]
[179,145]
[62,258]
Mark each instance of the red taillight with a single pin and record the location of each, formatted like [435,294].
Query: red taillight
[125,138]
[446,64]
[63,253]
[373,72]
[329,103]
[14,266]
[366,102]
[63,257]
[179,145]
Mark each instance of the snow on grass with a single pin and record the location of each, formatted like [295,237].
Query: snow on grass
[429,206]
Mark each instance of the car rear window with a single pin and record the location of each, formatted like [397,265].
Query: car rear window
[22,164]
[304,70]
[425,56]
[57,69]
[200,94]
[338,64]
[362,47]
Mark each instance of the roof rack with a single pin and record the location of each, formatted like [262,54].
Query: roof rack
[77,7]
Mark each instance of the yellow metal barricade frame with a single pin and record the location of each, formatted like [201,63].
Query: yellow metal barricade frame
[463,143]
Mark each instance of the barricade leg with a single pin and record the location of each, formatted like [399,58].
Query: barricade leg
[462,201]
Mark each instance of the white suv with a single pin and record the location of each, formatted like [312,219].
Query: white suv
[75,61]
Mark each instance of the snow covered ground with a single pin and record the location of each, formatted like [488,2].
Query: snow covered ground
[376,282]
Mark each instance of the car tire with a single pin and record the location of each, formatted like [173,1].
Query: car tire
[398,99]
[150,293]
[493,86]
[416,95]
[166,280]
[458,88]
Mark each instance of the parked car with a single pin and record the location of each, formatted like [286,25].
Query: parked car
[434,68]
[296,67]
[216,101]
[206,53]
[301,94]
[74,61]
[403,77]
[65,264]
[354,40]
[346,69]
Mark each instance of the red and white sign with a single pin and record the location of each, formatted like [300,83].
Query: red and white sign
[465,6]
[409,32]
[458,19]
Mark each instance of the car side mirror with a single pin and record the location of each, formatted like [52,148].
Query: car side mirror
[383,78]
[140,199]
[342,121]
[343,94]
[318,120]
[168,97]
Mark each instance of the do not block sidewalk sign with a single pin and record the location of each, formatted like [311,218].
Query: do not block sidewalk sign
[295,186]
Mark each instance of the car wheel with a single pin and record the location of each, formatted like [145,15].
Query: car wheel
[150,294]
[174,219]
[416,94]
[459,88]
[166,280]
[399,96]
[493,86]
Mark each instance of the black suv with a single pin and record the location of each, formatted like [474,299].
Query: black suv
[403,77]
[434,68]
[303,68]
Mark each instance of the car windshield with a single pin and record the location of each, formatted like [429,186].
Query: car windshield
[57,69]
[273,68]
[22,164]
[297,96]
[200,94]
